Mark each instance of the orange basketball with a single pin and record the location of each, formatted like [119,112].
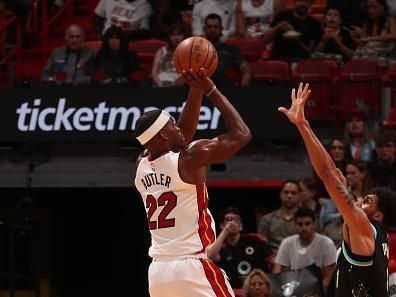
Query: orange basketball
[195,52]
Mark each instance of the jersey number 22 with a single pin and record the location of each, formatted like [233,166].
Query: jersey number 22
[168,200]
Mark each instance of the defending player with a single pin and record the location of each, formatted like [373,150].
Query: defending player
[171,179]
[363,258]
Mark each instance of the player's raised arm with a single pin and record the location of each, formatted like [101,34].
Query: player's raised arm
[361,236]
[204,152]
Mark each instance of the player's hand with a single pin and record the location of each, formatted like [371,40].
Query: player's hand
[198,80]
[296,111]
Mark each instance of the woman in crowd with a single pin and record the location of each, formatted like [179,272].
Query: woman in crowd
[359,142]
[163,71]
[253,17]
[378,34]
[114,63]
[257,284]
[358,178]
[308,193]
[336,39]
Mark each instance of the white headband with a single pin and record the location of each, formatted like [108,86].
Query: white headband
[151,131]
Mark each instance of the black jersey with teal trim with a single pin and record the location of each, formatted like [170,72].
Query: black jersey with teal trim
[362,276]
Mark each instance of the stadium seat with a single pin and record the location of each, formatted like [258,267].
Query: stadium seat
[390,121]
[320,74]
[252,48]
[359,87]
[146,49]
[95,45]
[271,70]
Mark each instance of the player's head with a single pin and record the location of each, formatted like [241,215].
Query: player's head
[231,215]
[305,220]
[213,27]
[157,129]
[380,206]
[290,194]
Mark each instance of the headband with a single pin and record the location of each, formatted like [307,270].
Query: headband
[151,131]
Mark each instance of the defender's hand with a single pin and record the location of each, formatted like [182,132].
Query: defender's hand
[296,111]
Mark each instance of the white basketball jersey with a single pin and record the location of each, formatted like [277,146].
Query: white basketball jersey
[177,212]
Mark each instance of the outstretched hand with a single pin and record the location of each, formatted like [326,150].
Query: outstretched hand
[198,80]
[296,111]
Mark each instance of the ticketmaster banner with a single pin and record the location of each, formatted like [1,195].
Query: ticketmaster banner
[110,114]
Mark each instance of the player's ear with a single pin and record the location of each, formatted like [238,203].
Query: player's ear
[378,216]
[162,134]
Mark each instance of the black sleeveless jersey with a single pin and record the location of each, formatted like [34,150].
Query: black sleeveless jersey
[361,276]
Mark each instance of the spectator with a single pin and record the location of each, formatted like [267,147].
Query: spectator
[378,34]
[114,61]
[71,63]
[230,57]
[280,223]
[253,17]
[353,12]
[131,15]
[308,191]
[306,248]
[336,39]
[383,168]
[295,33]
[21,9]
[163,72]
[356,133]
[257,284]
[238,253]
[358,179]
[223,8]
[331,222]
[391,7]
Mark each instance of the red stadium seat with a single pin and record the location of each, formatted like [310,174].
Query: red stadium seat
[320,74]
[270,70]
[359,87]
[390,121]
[146,49]
[95,45]
[252,48]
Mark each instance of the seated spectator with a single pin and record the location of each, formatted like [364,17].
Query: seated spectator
[356,133]
[238,253]
[131,15]
[331,222]
[335,39]
[71,63]
[223,8]
[280,223]
[114,63]
[257,284]
[308,191]
[378,34]
[163,72]
[353,12]
[391,7]
[358,179]
[230,57]
[306,248]
[295,33]
[253,17]
[383,168]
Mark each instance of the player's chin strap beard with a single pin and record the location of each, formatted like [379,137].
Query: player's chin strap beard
[151,131]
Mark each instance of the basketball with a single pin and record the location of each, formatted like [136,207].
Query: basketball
[195,52]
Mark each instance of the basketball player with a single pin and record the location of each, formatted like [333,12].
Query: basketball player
[363,257]
[171,179]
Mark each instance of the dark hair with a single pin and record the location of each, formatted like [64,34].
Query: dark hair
[177,28]
[213,16]
[367,183]
[290,181]
[384,137]
[146,120]
[228,210]
[117,32]
[387,205]
[310,183]
[370,25]
[333,8]
[305,212]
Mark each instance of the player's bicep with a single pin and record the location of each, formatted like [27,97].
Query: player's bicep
[220,149]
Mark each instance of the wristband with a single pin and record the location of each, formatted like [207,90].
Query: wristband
[211,91]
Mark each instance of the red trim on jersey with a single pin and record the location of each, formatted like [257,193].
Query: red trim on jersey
[206,234]
[216,279]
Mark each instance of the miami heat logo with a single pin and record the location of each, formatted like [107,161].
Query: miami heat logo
[288,288]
